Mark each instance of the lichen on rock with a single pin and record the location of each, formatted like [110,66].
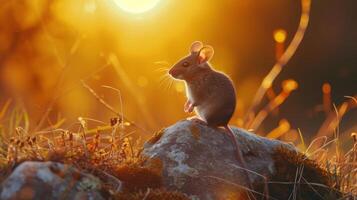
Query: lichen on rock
[200,161]
[49,180]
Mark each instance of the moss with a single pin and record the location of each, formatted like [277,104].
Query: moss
[287,164]
[155,164]
[156,194]
[156,137]
[137,178]
[4,172]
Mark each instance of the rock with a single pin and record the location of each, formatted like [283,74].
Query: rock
[200,161]
[49,180]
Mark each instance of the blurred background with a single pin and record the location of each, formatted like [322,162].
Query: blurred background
[47,47]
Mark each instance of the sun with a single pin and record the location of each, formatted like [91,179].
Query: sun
[136,6]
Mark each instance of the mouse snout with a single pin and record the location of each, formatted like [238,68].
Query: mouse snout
[174,73]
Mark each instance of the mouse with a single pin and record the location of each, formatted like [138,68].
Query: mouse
[210,93]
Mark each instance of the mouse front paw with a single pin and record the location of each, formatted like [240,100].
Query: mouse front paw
[188,107]
[196,119]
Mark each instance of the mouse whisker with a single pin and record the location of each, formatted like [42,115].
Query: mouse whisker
[167,85]
[171,83]
[163,62]
[165,77]
[164,80]
[165,74]
[162,69]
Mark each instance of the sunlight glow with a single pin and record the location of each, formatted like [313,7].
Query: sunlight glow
[180,87]
[280,35]
[136,6]
[90,6]
[289,85]
[142,81]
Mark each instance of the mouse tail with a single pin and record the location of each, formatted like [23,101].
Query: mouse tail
[234,139]
[243,163]
[239,155]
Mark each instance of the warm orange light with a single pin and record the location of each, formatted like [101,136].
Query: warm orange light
[266,83]
[90,6]
[290,136]
[354,136]
[136,6]
[142,81]
[284,126]
[326,88]
[280,35]
[290,85]
[180,87]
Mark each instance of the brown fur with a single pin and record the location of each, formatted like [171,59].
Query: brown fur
[210,92]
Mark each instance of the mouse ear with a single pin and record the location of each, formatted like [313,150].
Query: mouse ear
[205,54]
[196,46]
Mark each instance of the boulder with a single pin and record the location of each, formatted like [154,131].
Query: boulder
[201,161]
[49,180]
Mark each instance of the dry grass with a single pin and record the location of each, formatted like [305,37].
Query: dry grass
[108,151]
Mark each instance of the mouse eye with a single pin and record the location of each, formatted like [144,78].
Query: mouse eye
[185,64]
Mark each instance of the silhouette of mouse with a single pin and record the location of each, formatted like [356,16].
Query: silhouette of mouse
[209,92]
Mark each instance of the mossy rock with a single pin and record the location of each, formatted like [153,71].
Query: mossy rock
[156,194]
[156,137]
[137,178]
[300,176]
